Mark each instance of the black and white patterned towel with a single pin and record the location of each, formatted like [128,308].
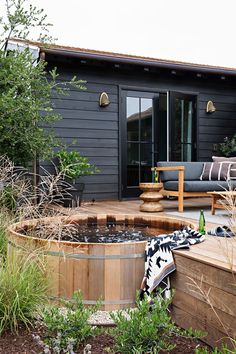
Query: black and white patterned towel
[159,262]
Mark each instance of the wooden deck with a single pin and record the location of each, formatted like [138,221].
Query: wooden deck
[205,274]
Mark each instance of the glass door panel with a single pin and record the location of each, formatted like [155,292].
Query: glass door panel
[139,148]
[132,164]
[132,118]
[182,127]
[146,120]
[146,159]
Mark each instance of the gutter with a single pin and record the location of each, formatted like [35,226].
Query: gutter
[140,62]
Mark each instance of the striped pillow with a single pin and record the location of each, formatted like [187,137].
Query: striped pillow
[216,171]
[227,159]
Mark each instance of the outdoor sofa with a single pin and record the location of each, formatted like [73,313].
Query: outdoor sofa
[182,179]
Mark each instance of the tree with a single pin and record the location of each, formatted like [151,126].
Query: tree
[26,89]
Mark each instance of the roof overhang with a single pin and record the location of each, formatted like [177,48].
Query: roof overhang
[87,54]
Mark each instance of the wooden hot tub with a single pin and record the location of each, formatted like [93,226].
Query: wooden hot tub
[111,272]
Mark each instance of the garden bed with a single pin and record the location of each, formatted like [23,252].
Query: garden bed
[23,343]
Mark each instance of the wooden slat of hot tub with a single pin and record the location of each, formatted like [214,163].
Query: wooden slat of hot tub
[80,271]
[112,277]
[127,273]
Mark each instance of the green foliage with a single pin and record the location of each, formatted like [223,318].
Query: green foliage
[145,329]
[228,147]
[26,90]
[24,96]
[223,350]
[8,198]
[23,290]
[25,106]
[190,332]
[67,328]
[73,165]
[21,19]
[4,222]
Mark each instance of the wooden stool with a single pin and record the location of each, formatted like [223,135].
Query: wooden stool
[151,196]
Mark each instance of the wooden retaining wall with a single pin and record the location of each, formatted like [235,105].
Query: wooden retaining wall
[200,281]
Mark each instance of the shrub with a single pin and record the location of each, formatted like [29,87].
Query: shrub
[228,147]
[67,328]
[145,329]
[73,165]
[22,290]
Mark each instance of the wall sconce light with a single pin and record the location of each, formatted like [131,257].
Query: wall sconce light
[104,100]
[210,108]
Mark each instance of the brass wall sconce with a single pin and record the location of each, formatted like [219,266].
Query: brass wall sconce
[210,108]
[104,100]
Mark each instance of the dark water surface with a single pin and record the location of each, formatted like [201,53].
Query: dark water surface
[114,233]
[110,233]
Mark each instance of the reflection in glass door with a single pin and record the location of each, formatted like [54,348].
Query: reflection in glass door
[182,127]
[142,116]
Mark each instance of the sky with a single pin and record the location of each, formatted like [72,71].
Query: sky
[199,31]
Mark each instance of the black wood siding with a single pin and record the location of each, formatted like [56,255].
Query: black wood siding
[96,129]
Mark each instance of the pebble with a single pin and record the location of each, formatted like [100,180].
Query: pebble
[104,317]
[100,317]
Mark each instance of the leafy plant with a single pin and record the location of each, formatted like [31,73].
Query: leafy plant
[26,89]
[228,147]
[21,19]
[145,329]
[223,350]
[73,165]
[23,288]
[66,328]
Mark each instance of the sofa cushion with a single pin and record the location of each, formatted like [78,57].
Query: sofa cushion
[227,159]
[216,171]
[200,186]
[192,171]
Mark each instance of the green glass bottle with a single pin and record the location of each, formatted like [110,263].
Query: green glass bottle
[201,227]
[155,176]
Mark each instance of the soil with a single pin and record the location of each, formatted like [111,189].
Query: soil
[23,343]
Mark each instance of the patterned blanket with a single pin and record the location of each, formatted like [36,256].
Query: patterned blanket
[159,262]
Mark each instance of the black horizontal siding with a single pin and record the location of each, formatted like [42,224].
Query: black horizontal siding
[83,105]
[86,133]
[93,142]
[95,129]
[221,107]
[86,124]
[84,96]
[215,126]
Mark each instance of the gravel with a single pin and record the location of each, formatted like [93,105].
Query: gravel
[104,318]
[101,318]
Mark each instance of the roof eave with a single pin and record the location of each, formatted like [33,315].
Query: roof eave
[141,62]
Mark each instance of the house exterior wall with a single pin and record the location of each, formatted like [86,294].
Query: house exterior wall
[96,129]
